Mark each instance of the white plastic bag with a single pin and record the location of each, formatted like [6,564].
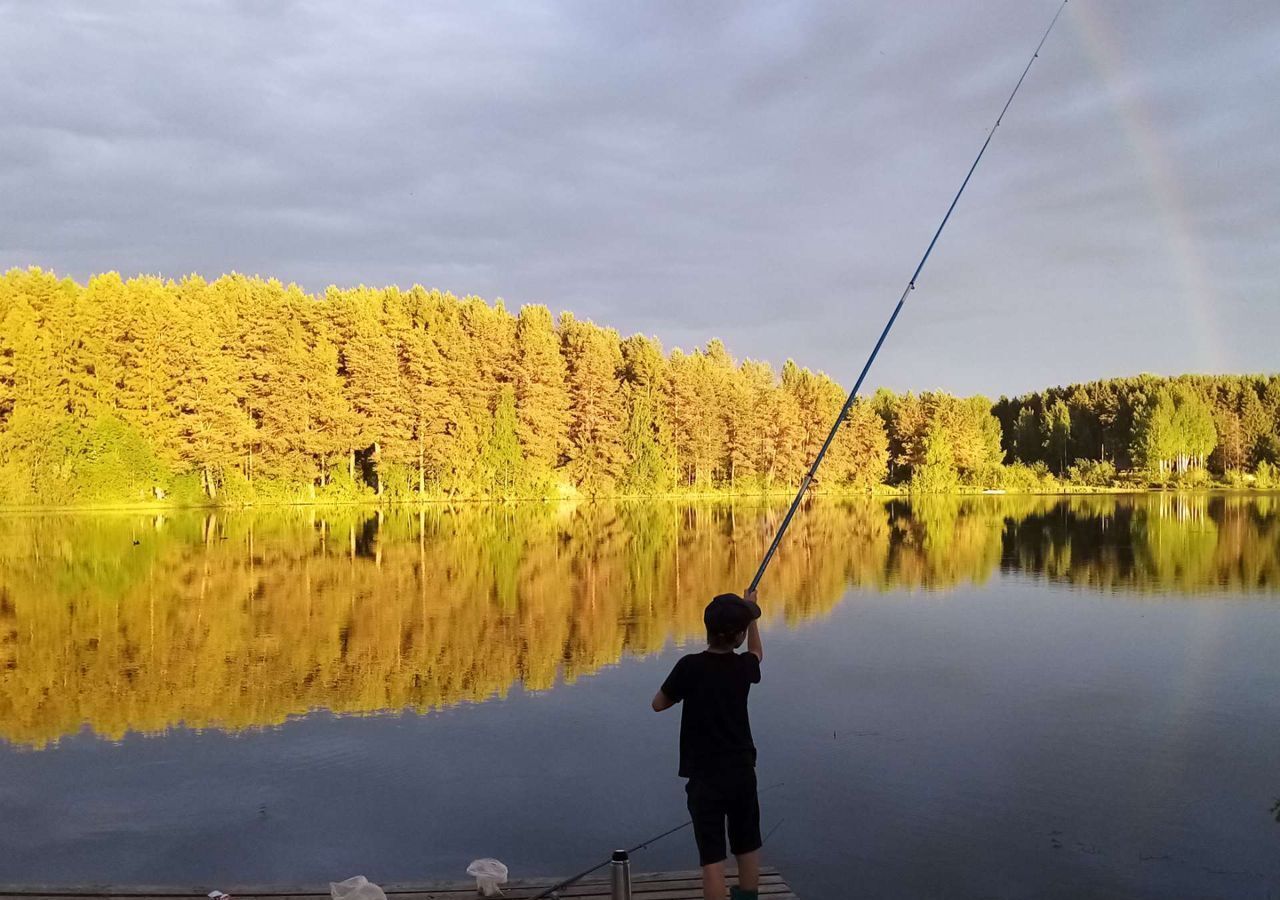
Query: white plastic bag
[489,874]
[357,888]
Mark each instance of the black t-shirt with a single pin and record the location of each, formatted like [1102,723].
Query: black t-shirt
[715,733]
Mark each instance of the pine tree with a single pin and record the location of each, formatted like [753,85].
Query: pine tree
[273,366]
[596,455]
[697,418]
[467,405]
[1028,436]
[422,367]
[784,457]
[501,461]
[650,449]
[649,469]
[490,330]
[211,424]
[813,413]
[746,410]
[370,366]
[542,391]
[866,448]
[151,358]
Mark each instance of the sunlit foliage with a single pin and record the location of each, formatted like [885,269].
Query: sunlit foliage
[244,390]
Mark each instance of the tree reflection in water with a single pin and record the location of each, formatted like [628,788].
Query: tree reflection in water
[234,620]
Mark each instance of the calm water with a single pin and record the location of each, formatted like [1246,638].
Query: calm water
[996,697]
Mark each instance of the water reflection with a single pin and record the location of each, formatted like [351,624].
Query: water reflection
[126,623]
[1169,543]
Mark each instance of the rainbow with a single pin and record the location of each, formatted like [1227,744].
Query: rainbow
[1097,37]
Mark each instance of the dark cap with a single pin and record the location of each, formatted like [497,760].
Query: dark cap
[729,614]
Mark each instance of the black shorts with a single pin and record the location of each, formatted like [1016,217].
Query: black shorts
[728,795]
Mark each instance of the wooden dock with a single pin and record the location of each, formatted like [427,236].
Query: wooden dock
[645,886]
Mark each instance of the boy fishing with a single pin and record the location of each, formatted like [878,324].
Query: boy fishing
[717,754]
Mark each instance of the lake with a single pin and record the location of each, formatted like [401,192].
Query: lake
[962,697]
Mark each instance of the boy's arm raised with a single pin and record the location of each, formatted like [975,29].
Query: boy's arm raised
[754,644]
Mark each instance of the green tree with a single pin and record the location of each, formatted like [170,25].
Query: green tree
[649,444]
[649,466]
[1155,443]
[1058,435]
[1194,430]
[1028,438]
[936,473]
[501,461]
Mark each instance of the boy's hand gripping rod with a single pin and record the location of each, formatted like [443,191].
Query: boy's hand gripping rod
[911,286]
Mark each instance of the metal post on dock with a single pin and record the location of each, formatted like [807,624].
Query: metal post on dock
[620,876]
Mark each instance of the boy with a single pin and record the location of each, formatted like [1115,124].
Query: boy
[717,754]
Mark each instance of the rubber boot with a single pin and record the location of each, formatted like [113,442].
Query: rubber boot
[737,893]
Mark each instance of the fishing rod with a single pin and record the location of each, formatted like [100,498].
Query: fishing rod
[911,286]
[643,845]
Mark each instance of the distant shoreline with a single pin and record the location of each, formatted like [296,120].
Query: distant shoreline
[887,493]
[248,392]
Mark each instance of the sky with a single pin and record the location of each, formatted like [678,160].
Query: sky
[764,173]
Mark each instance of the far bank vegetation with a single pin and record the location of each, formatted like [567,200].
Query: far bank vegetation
[245,390]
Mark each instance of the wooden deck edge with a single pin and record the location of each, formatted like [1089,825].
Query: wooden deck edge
[768,874]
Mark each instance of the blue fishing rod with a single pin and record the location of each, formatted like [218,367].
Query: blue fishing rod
[911,286]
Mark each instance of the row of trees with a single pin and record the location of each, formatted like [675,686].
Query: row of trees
[242,389]
[1221,424]
[245,388]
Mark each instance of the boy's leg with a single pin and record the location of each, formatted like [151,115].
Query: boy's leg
[706,808]
[713,882]
[749,871]
[744,833]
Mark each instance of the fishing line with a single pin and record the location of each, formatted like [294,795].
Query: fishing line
[643,845]
[911,286]
[769,834]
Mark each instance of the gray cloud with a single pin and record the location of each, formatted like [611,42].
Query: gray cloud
[765,173]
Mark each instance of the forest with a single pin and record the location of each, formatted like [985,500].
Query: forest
[244,390]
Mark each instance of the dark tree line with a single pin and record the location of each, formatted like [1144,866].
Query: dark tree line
[1159,427]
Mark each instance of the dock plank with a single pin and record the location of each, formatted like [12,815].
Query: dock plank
[684,885]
